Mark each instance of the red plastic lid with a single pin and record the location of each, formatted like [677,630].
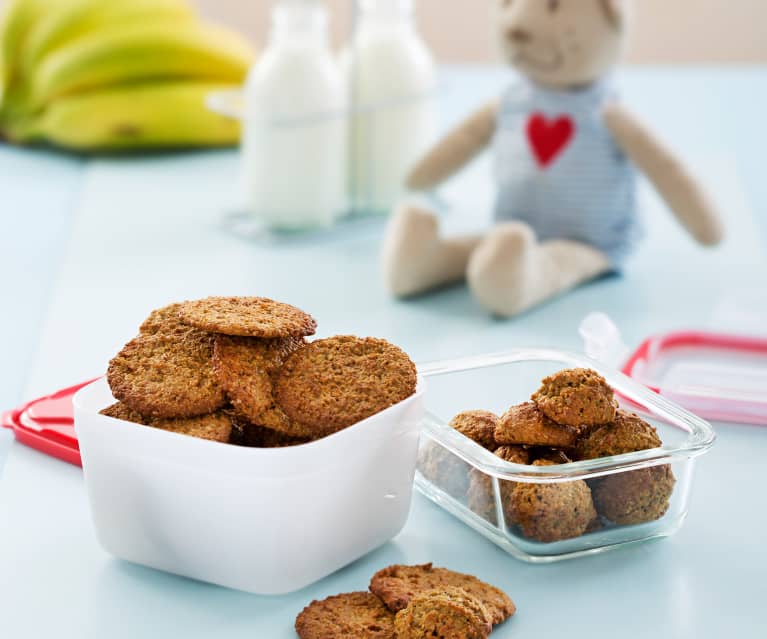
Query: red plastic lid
[47,424]
[719,377]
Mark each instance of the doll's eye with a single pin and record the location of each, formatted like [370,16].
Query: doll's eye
[553,5]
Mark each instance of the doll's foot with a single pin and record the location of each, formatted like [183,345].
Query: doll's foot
[502,267]
[511,272]
[415,259]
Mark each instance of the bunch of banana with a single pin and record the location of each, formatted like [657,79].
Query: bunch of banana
[115,74]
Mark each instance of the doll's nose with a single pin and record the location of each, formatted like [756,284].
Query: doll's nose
[520,36]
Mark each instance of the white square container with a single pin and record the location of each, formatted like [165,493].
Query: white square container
[266,521]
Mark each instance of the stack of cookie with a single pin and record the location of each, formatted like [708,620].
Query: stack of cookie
[240,370]
[409,602]
[573,416]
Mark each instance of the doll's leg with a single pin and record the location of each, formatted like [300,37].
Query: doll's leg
[511,272]
[415,259]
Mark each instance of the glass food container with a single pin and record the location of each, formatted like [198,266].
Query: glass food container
[485,492]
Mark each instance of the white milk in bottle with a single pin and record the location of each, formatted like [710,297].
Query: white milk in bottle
[295,134]
[392,81]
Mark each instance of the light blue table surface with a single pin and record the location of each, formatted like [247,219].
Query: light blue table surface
[90,247]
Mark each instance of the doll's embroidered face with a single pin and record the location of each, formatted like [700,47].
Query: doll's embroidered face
[563,43]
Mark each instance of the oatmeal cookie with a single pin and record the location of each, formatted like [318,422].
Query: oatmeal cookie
[634,497]
[576,397]
[275,418]
[356,615]
[245,433]
[247,317]
[336,382]
[163,320]
[167,375]
[119,410]
[449,613]
[627,434]
[216,427]
[553,455]
[397,585]
[551,512]
[477,425]
[481,498]
[526,424]
[244,367]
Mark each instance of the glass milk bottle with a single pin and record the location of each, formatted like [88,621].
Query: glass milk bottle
[392,80]
[295,135]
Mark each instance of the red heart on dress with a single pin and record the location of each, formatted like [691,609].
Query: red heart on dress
[548,138]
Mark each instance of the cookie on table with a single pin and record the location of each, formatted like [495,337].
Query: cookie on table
[244,367]
[551,512]
[167,375]
[355,615]
[481,497]
[477,425]
[527,425]
[215,427]
[397,585]
[247,317]
[118,410]
[576,397]
[334,383]
[446,612]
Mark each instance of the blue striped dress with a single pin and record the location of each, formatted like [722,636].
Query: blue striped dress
[559,170]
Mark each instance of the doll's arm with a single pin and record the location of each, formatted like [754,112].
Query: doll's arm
[681,191]
[456,149]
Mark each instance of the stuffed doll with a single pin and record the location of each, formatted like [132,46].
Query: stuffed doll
[565,153]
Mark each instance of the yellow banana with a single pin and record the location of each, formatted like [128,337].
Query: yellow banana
[77,18]
[158,115]
[18,17]
[119,55]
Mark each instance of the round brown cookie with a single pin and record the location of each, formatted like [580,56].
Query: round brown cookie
[551,512]
[634,497]
[576,397]
[216,427]
[167,375]
[397,585]
[356,615]
[247,317]
[119,410]
[627,434]
[449,613]
[477,425]
[163,320]
[553,455]
[254,436]
[336,382]
[275,418]
[244,367]
[525,424]
[481,498]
